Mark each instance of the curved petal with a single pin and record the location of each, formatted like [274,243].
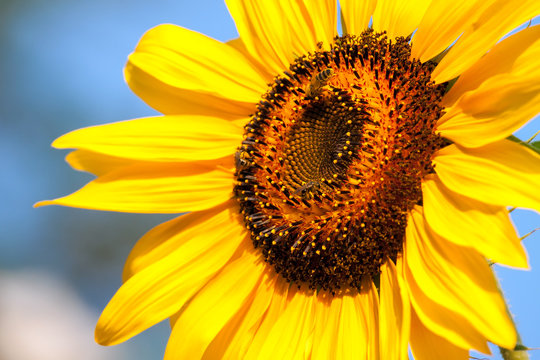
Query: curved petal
[357,14]
[496,21]
[458,279]
[452,326]
[437,30]
[164,138]
[399,18]
[278,304]
[341,329]
[394,316]
[153,188]
[284,341]
[266,72]
[96,163]
[184,231]
[503,173]
[426,345]
[275,33]
[101,164]
[213,306]
[169,99]
[500,106]
[368,303]
[161,289]
[470,223]
[516,55]
[235,337]
[188,60]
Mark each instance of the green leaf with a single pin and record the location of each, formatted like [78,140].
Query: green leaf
[534,146]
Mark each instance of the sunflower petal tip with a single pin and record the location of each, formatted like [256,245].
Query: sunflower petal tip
[105,335]
[59,143]
[43,203]
[100,336]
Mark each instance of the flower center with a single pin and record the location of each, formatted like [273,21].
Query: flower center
[333,159]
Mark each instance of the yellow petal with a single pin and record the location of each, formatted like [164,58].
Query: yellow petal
[368,304]
[275,33]
[517,55]
[171,100]
[326,313]
[165,138]
[357,14]
[497,95]
[480,36]
[340,327]
[153,188]
[236,336]
[161,289]
[96,163]
[446,323]
[500,106]
[399,18]
[394,316]
[191,229]
[278,304]
[438,30]
[266,72]
[467,222]
[101,164]
[285,341]
[188,60]
[458,279]
[426,345]
[503,173]
[213,306]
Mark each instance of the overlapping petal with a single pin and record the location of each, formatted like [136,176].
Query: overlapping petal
[514,55]
[160,289]
[498,95]
[170,99]
[503,173]
[395,316]
[497,20]
[467,222]
[437,30]
[427,345]
[96,163]
[186,231]
[275,33]
[399,18]
[215,304]
[342,329]
[457,279]
[284,341]
[153,188]
[275,310]
[357,14]
[183,64]
[236,337]
[165,138]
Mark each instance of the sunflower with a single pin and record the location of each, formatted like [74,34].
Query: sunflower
[345,192]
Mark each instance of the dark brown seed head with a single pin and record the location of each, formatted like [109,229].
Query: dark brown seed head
[333,159]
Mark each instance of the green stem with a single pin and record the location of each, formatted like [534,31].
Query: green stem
[519,352]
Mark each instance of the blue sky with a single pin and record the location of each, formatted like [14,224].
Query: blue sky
[61,70]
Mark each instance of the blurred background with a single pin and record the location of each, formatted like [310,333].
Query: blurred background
[61,69]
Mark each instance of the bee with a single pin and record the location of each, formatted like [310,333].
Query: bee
[241,160]
[307,190]
[318,82]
